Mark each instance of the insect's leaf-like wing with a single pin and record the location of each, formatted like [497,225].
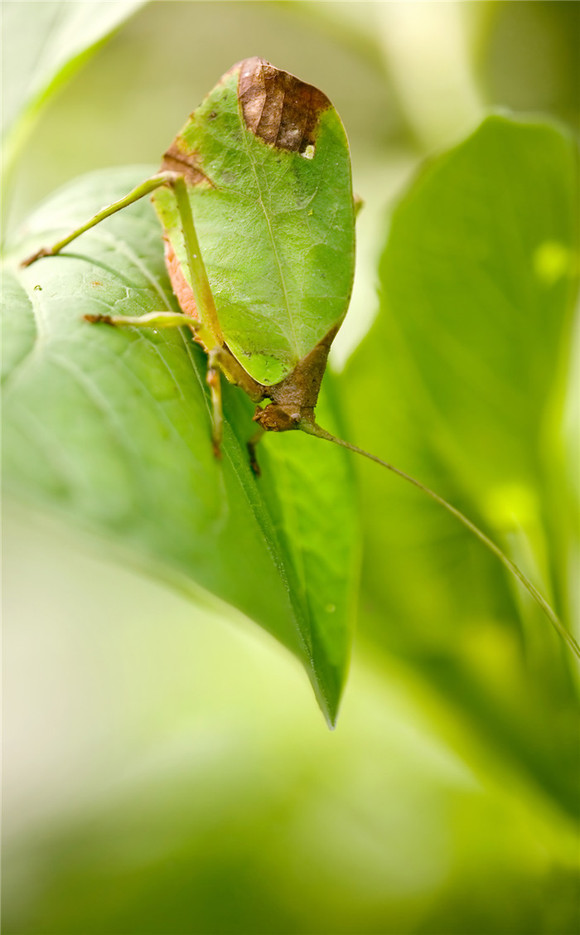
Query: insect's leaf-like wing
[111,428]
[268,164]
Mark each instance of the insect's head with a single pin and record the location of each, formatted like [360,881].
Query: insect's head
[277,418]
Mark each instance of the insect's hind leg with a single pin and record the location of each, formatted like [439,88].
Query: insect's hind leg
[215,388]
[145,188]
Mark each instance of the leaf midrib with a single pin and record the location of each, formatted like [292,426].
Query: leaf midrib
[270,231]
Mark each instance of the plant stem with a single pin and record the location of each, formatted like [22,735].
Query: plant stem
[312,429]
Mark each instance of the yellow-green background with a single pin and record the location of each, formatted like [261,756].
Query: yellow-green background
[166,767]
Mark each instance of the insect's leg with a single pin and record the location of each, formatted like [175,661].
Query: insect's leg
[215,388]
[145,188]
[253,442]
[210,330]
[150,320]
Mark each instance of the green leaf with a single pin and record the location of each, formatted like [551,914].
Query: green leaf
[461,383]
[44,45]
[274,211]
[111,429]
[478,279]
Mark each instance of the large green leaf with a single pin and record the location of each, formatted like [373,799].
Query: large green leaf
[460,382]
[272,199]
[112,429]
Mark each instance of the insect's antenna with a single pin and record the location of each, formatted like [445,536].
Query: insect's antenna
[312,429]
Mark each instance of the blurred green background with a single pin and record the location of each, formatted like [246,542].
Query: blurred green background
[166,768]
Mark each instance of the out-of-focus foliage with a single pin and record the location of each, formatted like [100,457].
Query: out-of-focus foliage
[168,772]
[45,44]
[478,280]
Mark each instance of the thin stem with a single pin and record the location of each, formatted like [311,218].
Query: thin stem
[313,429]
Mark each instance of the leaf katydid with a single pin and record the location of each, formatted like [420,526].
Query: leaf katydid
[255,200]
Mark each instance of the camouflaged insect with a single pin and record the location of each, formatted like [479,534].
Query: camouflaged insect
[255,199]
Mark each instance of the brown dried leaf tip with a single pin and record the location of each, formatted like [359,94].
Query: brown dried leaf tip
[279,108]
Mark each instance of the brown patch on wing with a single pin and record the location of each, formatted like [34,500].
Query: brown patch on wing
[279,108]
[179,283]
[185,163]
